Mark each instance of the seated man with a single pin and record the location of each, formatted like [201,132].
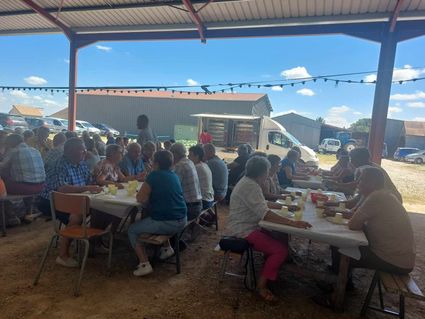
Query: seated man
[247,208]
[237,167]
[132,163]
[287,172]
[186,171]
[56,152]
[220,174]
[70,174]
[360,159]
[41,141]
[271,188]
[22,168]
[386,225]
[148,149]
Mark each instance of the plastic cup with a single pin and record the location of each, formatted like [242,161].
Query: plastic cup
[288,200]
[320,191]
[319,212]
[293,194]
[320,203]
[298,215]
[284,209]
[338,217]
[332,198]
[342,205]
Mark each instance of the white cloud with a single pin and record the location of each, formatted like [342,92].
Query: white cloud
[192,82]
[419,119]
[295,73]
[306,92]
[35,80]
[19,94]
[416,105]
[408,97]
[103,48]
[393,110]
[357,113]
[66,61]
[403,74]
[336,116]
[37,97]
[49,102]
[277,88]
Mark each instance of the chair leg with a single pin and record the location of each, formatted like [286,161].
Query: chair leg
[111,242]
[216,216]
[401,310]
[43,260]
[83,265]
[369,294]
[252,264]
[381,297]
[224,266]
[3,219]
[177,252]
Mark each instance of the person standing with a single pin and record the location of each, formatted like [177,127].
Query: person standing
[205,137]
[145,132]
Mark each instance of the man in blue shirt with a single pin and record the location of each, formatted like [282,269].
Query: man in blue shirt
[69,174]
[132,163]
[219,172]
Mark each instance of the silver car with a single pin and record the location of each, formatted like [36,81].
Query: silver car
[417,157]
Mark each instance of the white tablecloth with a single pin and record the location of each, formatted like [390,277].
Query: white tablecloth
[117,205]
[314,182]
[340,236]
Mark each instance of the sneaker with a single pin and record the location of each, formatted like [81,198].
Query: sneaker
[166,252]
[143,269]
[70,262]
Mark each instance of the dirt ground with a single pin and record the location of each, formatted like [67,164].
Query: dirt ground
[196,292]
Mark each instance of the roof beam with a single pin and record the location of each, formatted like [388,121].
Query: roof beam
[196,19]
[395,15]
[41,11]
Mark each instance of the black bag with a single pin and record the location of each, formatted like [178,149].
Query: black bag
[234,244]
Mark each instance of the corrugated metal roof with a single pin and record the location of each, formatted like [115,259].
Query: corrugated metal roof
[227,116]
[167,15]
[193,96]
[414,128]
[26,110]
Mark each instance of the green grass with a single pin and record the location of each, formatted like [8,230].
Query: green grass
[326,160]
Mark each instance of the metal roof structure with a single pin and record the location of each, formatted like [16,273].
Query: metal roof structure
[84,22]
[227,116]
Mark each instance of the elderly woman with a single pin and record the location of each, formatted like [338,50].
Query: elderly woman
[162,193]
[92,156]
[99,144]
[237,167]
[108,171]
[287,172]
[148,149]
[247,208]
[271,188]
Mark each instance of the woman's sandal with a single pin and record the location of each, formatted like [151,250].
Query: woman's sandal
[267,296]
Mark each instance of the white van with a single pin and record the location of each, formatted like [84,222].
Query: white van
[262,133]
[329,145]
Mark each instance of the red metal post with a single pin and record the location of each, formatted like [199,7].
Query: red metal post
[396,13]
[382,96]
[196,19]
[72,101]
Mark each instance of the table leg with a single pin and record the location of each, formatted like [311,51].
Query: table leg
[339,293]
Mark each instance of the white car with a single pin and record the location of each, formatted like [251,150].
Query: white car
[86,126]
[329,145]
[417,158]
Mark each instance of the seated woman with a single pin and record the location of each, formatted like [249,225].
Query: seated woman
[287,171]
[344,174]
[92,156]
[339,166]
[271,188]
[108,170]
[247,208]
[163,194]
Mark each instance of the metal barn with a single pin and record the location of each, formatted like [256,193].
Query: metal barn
[169,113]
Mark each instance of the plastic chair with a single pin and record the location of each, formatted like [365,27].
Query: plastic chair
[73,204]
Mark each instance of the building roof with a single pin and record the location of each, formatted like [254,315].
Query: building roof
[227,116]
[160,16]
[252,97]
[62,114]
[26,110]
[414,128]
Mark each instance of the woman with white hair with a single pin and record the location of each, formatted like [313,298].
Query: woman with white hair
[247,208]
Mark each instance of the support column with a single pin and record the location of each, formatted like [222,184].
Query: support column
[382,96]
[72,101]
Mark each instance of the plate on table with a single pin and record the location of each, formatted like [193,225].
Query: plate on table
[282,214]
[334,221]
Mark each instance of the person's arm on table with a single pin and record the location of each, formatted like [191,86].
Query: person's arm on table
[274,205]
[366,211]
[79,189]
[102,181]
[273,218]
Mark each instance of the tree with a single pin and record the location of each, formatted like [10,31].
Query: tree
[321,120]
[362,125]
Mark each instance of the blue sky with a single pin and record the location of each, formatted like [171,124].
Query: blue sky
[43,60]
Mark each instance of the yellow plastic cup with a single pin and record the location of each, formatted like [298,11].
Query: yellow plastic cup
[298,215]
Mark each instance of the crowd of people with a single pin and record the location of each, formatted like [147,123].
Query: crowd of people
[179,184]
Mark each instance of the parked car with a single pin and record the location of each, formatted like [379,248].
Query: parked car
[36,122]
[12,122]
[105,129]
[61,124]
[402,152]
[417,158]
[329,145]
[86,126]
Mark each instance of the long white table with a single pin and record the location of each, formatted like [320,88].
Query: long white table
[323,231]
[314,182]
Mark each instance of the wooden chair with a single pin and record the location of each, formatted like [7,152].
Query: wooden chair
[74,204]
[402,285]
